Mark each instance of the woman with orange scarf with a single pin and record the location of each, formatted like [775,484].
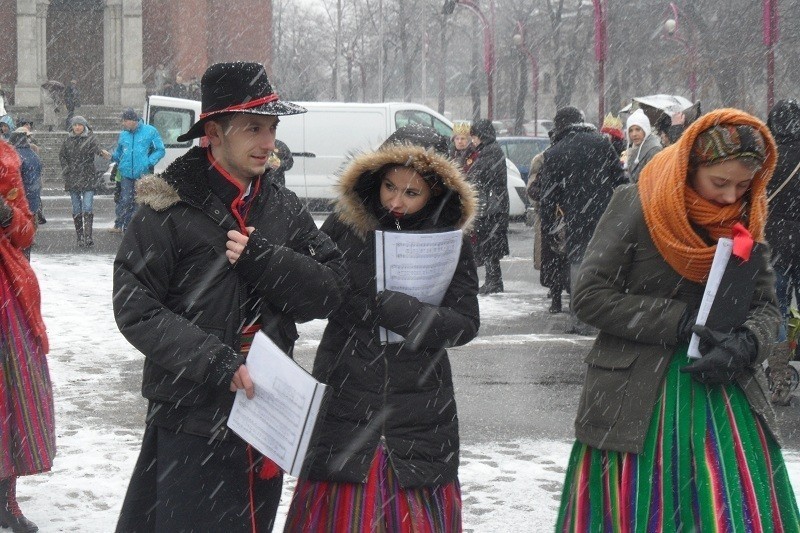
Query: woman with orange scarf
[27,429]
[665,443]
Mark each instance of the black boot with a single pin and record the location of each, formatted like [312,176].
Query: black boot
[10,513]
[78,220]
[555,302]
[40,217]
[494,278]
[88,220]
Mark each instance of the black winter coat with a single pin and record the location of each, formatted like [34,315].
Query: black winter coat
[180,302]
[488,176]
[402,393]
[783,222]
[579,174]
[77,162]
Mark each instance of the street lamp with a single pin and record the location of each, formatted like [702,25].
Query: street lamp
[672,29]
[519,40]
[488,47]
[771,36]
[601,50]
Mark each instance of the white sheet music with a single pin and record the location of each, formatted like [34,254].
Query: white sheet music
[418,264]
[721,258]
[280,419]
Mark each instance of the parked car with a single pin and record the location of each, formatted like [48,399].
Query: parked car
[321,140]
[520,150]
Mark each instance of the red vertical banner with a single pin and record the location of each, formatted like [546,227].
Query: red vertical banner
[770,22]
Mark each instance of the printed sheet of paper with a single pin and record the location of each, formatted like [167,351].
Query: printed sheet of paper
[418,264]
[280,419]
[721,258]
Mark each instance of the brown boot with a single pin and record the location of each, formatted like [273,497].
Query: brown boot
[780,374]
[78,220]
[10,513]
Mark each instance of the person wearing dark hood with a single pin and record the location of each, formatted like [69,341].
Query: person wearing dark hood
[215,254]
[388,450]
[80,178]
[783,234]
[488,176]
[578,176]
[279,162]
[31,170]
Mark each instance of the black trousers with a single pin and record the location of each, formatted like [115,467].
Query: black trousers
[186,483]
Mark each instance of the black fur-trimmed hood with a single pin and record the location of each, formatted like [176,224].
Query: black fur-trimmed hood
[352,207]
[184,179]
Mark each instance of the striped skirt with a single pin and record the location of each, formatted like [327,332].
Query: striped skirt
[27,425]
[708,464]
[380,505]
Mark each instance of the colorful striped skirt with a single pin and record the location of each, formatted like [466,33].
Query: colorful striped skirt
[27,425]
[708,464]
[380,505]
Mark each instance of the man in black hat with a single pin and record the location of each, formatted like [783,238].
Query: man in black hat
[215,253]
[578,176]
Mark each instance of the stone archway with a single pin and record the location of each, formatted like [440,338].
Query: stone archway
[117,70]
[75,46]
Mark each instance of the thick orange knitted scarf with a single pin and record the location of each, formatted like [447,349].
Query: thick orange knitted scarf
[670,203]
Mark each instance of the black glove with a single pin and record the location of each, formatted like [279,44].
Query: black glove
[397,311]
[360,310]
[6,213]
[725,355]
[686,323]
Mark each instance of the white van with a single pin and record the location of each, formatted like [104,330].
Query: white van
[321,140]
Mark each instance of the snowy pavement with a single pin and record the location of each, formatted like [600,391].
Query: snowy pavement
[509,486]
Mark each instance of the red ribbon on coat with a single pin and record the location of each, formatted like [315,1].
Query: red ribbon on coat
[742,242]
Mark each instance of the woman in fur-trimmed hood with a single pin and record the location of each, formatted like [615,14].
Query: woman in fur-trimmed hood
[390,435]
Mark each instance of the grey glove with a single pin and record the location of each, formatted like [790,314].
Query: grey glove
[725,355]
[6,213]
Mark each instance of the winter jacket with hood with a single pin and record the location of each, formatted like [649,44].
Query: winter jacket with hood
[138,151]
[578,176]
[180,302]
[77,158]
[31,169]
[638,156]
[783,222]
[488,176]
[488,173]
[398,394]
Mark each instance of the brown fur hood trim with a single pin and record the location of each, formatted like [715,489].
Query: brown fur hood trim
[154,192]
[350,205]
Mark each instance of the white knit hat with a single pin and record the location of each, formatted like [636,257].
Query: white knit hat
[638,118]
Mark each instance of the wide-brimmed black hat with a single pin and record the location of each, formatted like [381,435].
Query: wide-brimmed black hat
[237,88]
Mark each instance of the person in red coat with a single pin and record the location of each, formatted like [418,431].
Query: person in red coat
[27,426]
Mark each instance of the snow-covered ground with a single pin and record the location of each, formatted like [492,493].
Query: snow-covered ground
[507,486]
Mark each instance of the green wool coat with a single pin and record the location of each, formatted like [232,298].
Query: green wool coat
[628,291]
